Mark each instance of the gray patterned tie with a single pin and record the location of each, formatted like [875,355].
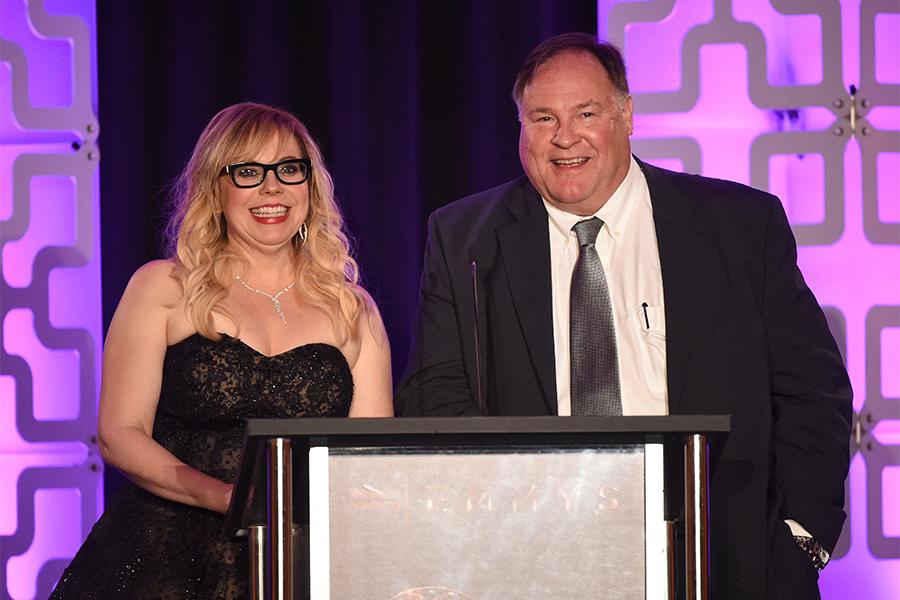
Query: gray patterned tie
[592,334]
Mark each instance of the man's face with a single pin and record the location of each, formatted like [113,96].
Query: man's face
[575,126]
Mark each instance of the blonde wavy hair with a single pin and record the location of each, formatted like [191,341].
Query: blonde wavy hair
[197,232]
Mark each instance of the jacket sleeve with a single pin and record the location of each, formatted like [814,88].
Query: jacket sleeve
[435,381]
[811,394]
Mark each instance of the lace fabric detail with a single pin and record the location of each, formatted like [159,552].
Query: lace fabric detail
[147,547]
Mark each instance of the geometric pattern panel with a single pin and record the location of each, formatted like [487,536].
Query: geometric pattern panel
[800,98]
[50,310]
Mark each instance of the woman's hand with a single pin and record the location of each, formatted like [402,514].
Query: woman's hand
[226,497]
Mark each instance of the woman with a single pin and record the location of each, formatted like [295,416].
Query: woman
[257,313]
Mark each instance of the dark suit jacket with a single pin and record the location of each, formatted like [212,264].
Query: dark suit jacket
[744,336]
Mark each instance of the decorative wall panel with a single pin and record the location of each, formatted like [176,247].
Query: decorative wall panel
[50,312]
[801,98]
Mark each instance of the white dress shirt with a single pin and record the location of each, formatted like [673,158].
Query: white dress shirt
[627,248]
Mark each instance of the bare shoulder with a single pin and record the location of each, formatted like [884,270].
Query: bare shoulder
[156,279]
[370,321]
[151,296]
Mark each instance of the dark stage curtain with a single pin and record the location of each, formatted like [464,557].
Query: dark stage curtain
[410,102]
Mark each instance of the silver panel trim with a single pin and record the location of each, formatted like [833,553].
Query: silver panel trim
[657,576]
[319,525]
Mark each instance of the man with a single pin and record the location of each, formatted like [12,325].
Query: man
[694,287]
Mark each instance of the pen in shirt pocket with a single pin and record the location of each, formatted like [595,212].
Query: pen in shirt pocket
[646,318]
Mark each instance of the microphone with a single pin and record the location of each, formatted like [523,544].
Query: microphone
[479,394]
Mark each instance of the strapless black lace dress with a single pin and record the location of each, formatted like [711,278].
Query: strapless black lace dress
[147,547]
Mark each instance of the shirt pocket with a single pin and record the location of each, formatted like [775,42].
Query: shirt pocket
[652,322]
[652,349]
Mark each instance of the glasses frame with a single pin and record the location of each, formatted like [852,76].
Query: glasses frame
[231,169]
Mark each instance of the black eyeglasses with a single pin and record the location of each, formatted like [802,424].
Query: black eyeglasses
[293,171]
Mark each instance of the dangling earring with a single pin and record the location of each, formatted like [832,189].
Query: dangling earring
[303,232]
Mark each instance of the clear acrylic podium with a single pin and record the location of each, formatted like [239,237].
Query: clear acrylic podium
[476,508]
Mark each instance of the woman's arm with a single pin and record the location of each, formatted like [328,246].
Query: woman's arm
[129,393]
[372,387]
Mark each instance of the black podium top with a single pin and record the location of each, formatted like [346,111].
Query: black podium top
[432,431]
[445,433]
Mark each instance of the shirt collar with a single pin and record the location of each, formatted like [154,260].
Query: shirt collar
[614,214]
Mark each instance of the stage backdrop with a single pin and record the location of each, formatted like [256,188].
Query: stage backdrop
[50,321]
[410,101]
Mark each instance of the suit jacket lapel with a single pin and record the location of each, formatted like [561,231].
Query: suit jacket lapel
[683,252]
[525,249]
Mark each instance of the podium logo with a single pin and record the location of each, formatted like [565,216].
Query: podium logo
[432,593]
[573,496]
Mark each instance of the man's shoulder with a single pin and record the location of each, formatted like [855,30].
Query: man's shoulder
[712,195]
[481,205]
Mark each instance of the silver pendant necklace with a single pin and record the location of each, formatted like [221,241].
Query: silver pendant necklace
[275,299]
